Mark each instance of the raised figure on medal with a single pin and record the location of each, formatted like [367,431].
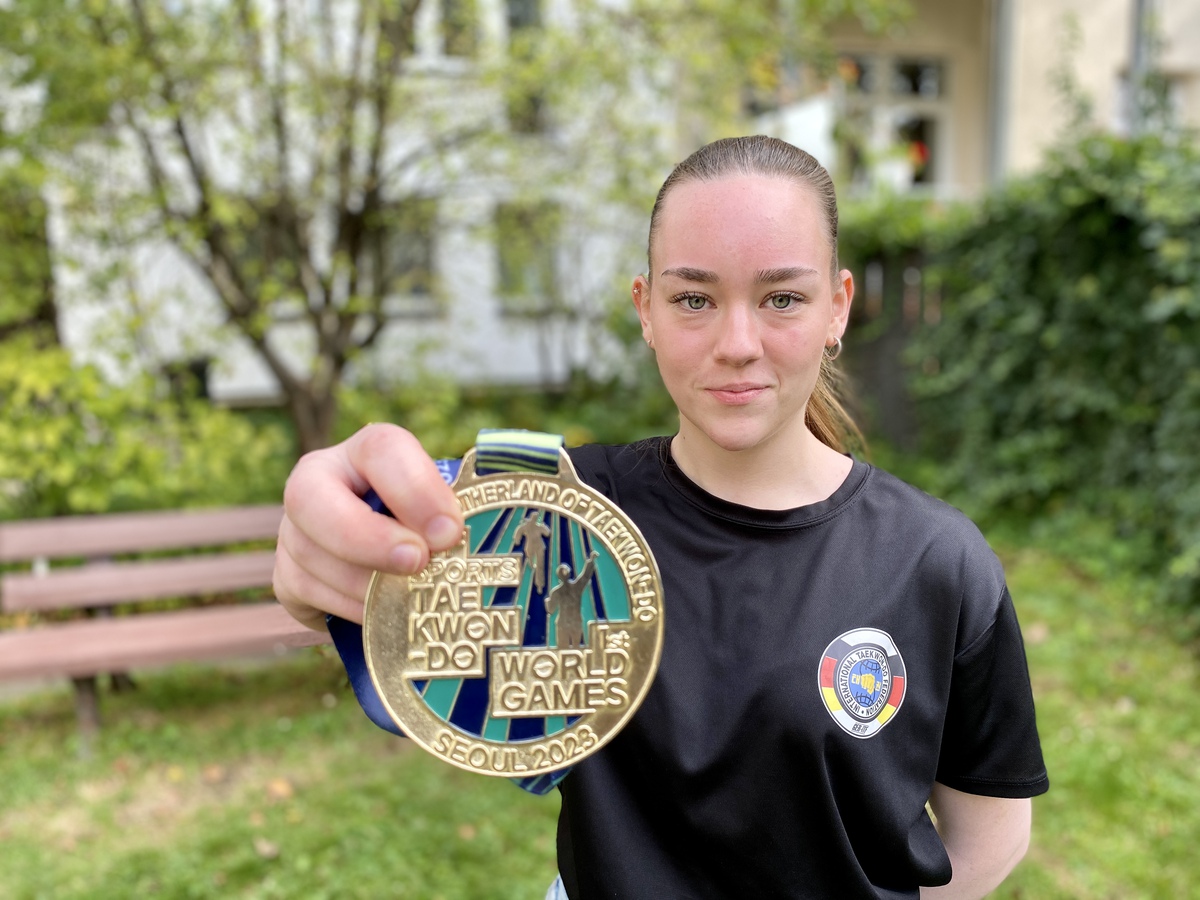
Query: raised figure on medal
[786,563]
[567,600]
[533,534]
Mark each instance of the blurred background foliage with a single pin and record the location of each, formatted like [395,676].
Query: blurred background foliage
[26,276]
[1057,380]
[76,443]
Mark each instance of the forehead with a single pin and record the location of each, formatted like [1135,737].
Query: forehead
[753,218]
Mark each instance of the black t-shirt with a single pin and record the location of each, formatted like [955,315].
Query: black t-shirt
[822,667]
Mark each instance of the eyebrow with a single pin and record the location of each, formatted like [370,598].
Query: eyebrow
[689,274]
[762,276]
[774,276]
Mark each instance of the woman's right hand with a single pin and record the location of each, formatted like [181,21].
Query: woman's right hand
[330,541]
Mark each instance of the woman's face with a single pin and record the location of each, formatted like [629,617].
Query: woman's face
[740,307]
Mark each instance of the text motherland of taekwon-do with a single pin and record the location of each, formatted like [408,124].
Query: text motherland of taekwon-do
[592,509]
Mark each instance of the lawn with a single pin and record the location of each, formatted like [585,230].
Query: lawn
[257,782]
[266,781]
[1116,690]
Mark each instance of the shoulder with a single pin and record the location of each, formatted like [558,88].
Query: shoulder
[607,467]
[920,518]
[937,542]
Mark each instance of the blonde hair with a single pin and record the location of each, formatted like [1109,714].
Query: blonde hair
[826,416]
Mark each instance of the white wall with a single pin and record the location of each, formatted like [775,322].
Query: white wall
[1099,62]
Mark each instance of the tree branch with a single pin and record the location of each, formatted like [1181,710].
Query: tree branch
[148,41]
[386,71]
[345,153]
[273,94]
[436,146]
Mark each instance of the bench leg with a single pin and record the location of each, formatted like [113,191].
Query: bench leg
[87,713]
[121,682]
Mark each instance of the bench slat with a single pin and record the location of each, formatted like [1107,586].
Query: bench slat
[92,646]
[97,584]
[135,532]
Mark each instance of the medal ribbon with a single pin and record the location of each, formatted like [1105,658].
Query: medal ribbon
[512,450]
[496,450]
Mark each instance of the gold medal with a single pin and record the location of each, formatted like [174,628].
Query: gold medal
[530,644]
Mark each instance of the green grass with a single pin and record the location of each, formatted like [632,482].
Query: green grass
[262,783]
[268,782]
[1116,691]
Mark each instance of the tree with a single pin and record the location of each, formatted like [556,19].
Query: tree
[281,146]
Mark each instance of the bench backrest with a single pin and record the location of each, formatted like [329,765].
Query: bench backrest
[100,582]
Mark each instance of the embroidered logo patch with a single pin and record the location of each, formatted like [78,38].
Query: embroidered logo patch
[862,680]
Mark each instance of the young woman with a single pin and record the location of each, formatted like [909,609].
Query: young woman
[791,571]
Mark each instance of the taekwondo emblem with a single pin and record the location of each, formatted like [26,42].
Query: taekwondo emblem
[862,681]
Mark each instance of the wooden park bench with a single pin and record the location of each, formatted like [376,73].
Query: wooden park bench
[106,561]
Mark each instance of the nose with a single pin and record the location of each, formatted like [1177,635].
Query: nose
[738,341]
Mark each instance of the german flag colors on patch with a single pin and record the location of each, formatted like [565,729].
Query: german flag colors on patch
[862,680]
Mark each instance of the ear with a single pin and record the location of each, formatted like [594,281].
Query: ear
[843,295]
[641,302]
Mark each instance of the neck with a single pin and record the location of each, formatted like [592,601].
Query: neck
[784,472]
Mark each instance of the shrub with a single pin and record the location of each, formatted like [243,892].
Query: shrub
[75,443]
[1065,369]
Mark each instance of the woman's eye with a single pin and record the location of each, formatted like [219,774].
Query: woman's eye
[782,301]
[695,301]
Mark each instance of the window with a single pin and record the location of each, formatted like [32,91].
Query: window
[857,73]
[525,103]
[915,136]
[264,243]
[460,35]
[526,111]
[916,78]
[1160,102]
[401,250]
[526,250]
[891,120]
[523,14]
[763,91]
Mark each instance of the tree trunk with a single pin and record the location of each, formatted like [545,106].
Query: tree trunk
[315,415]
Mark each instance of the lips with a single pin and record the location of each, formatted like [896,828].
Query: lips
[738,394]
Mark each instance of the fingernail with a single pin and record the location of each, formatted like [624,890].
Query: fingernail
[443,532]
[406,558]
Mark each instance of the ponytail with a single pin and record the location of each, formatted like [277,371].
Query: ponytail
[826,416]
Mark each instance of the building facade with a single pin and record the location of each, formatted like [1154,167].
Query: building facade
[966,93]
[495,284]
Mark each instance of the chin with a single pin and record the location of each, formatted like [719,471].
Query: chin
[741,433]
[734,437]
[735,443]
